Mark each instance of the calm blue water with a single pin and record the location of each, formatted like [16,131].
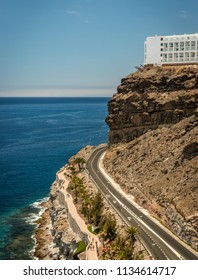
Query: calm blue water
[37,137]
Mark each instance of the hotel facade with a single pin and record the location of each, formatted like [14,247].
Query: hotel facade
[176,49]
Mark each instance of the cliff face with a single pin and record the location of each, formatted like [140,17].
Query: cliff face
[55,240]
[153,144]
[150,98]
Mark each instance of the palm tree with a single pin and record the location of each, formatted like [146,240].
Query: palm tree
[75,184]
[72,169]
[132,232]
[97,209]
[87,205]
[110,227]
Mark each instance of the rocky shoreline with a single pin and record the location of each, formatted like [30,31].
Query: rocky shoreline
[55,239]
[49,232]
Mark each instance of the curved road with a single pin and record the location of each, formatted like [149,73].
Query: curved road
[159,241]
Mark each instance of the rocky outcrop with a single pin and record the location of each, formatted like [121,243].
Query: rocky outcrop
[150,98]
[64,238]
[55,238]
[160,169]
[153,144]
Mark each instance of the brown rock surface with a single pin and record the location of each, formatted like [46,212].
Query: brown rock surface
[150,98]
[55,240]
[153,144]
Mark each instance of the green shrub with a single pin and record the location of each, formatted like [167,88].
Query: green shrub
[81,248]
[95,231]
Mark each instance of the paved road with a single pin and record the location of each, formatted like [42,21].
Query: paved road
[159,242]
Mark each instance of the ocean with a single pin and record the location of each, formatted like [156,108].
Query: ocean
[37,137]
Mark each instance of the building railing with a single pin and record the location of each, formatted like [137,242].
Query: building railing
[179,49]
[187,59]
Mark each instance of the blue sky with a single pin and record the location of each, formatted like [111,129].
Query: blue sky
[81,47]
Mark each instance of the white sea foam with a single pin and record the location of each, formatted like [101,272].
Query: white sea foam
[32,218]
[37,204]
[32,252]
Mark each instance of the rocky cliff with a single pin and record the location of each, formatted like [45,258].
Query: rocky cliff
[150,98]
[55,239]
[153,144]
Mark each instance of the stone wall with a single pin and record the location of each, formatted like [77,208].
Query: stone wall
[72,222]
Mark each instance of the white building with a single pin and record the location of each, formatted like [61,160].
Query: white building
[176,49]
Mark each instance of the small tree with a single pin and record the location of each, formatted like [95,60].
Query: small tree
[72,169]
[87,208]
[80,161]
[97,209]
[110,227]
[124,249]
[75,184]
[139,68]
[131,233]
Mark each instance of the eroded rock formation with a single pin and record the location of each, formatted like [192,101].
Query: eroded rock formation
[153,144]
[150,98]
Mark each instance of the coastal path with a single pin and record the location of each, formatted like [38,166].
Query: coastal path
[94,243]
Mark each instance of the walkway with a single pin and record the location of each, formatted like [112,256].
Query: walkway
[94,243]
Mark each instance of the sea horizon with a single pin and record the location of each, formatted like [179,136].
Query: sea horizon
[38,136]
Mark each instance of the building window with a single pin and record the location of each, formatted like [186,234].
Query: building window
[187,56]
[175,56]
[187,45]
[176,46]
[193,45]
[170,46]
[165,46]
[181,46]
[165,57]
[181,57]
[192,56]
[170,57]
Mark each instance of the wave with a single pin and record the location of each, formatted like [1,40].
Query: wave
[37,204]
[33,217]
